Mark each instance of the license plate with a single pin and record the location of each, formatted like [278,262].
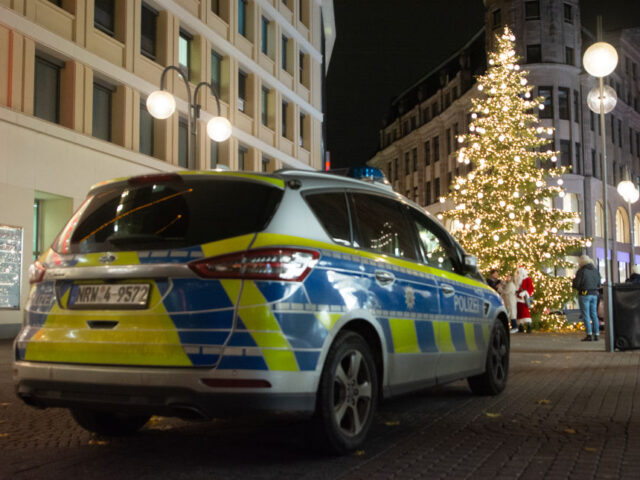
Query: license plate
[130,295]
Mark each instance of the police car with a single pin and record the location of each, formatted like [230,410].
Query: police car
[208,293]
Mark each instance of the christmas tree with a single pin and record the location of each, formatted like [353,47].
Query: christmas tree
[502,210]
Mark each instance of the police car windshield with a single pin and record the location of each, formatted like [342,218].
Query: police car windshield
[168,215]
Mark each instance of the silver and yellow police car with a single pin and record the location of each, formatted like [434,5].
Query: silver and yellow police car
[211,293]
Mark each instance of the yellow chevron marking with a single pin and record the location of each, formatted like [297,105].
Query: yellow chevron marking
[269,239]
[470,337]
[258,317]
[405,338]
[283,360]
[232,289]
[141,337]
[443,336]
[228,245]
[486,331]
[328,320]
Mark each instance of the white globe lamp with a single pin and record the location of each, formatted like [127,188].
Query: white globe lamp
[161,104]
[219,129]
[600,59]
[628,191]
[608,99]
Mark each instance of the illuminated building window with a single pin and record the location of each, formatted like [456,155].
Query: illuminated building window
[242,17]
[599,220]
[532,10]
[563,103]
[184,52]
[102,98]
[148,31]
[146,131]
[547,93]
[568,13]
[104,16]
[497,18]
[46,102]
[534,53]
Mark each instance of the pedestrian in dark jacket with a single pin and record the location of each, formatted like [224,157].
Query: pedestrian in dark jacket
[635,276]
[586,282]
[493,281]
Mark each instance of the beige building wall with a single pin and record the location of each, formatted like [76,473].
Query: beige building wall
[64,159]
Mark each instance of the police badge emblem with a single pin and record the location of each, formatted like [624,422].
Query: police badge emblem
[410,298]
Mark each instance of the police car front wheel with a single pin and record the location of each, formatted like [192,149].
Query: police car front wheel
[108,423]
[494,378]
[348,393]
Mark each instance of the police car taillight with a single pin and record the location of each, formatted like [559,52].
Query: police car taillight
[36,272]
[284,264]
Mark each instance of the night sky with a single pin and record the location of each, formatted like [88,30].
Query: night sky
[385,46]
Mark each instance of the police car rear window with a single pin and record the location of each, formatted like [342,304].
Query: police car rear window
[173,214]
[331,210]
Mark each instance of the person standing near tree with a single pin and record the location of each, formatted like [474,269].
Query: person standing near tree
[524,294]
[635,275]
[586,282]
[507,290]
[492,280]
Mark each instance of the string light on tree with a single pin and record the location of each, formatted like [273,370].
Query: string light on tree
[508,199]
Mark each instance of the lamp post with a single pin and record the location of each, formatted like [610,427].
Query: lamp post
[629,194]
[161,104]
[599,60]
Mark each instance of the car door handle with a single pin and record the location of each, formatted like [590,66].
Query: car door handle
[384,278]
[447,290]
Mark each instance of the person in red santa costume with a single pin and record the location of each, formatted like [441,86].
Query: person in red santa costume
[524,290]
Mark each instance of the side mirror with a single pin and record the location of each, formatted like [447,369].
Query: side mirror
[471,262]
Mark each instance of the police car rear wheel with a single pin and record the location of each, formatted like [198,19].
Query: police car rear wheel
[348,393]
[108,423]
[494,379]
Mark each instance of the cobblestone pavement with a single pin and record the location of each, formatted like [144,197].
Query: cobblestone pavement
[570,410]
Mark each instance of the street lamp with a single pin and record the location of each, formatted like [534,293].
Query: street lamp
[161,104]
[599,60]
[630,194]
[608,98]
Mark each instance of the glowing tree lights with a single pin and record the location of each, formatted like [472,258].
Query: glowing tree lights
[503,209]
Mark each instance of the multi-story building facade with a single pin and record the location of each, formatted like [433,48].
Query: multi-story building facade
[418,142]
[75,77]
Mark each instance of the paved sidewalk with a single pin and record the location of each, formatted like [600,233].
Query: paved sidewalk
[571,410]
[555,343]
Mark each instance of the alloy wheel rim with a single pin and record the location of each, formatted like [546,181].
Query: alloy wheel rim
[352,393]
[499,355]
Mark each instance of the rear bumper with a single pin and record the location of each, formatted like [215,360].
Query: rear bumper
[169,392]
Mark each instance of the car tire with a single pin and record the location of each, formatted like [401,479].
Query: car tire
[347,394]
[108,423]
[494,378]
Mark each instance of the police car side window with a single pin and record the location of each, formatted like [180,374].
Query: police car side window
[382,227]
[331,210]
[438,252]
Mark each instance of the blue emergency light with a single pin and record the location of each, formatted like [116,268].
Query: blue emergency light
[368,174]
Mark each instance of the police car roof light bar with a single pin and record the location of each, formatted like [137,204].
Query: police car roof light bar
[367,174]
